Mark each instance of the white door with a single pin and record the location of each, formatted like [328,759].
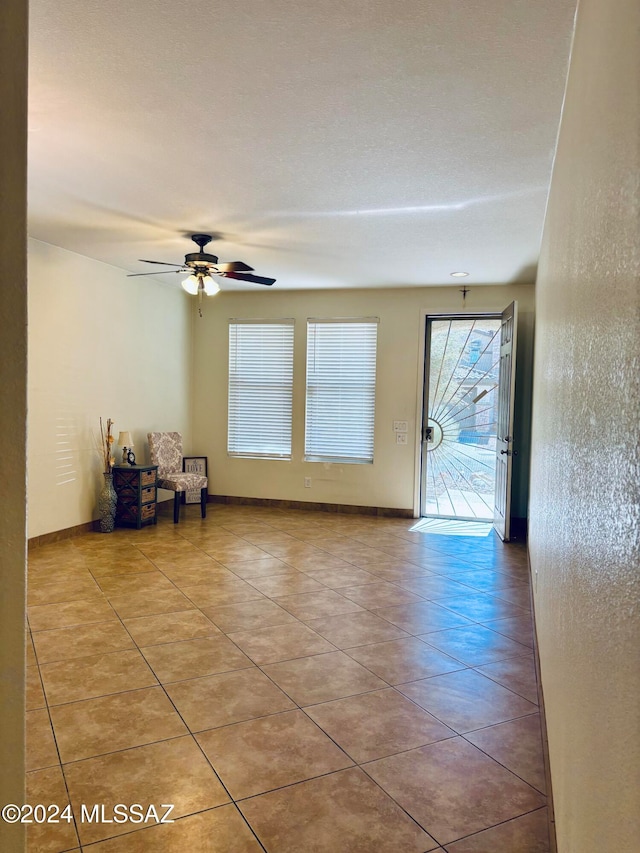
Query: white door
[504,433]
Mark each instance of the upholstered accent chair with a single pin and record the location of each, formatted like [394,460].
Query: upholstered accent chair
[165,451]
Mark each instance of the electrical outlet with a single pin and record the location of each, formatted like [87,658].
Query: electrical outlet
[307,482]
[401,426]
[401,438]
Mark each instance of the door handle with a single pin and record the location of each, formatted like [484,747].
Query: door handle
[509,452]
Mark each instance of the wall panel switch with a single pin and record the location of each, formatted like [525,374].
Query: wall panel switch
[401,426]
[401,438]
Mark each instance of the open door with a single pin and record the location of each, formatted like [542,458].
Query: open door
[462,363]
[504,434]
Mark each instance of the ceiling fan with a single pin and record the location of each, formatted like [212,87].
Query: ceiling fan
[201,266]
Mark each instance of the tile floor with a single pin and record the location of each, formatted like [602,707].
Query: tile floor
[291,681]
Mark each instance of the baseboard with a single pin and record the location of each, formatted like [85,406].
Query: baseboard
[350,509]
[78,530]
[166,507]
[59,535]
[518,525]
[553,845]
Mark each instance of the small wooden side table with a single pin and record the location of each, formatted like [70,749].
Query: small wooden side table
[136,487]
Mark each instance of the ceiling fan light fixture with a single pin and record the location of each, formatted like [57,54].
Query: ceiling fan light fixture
[211,287]
[191,285]
[202,266]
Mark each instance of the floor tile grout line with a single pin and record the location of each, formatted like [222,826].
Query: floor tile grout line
[440,843]
[297,782]
[108,693]
[227,635]
[159,684]
[124,749]
[194,738]
[57,746]
[365,609]
[89,844]
[444,722]
[382,579]
[467,668]
[500,823]
[464,666]
[488,754]
[364,545]
[423,634]
[291,699]
[391,755]
[415,820]
[241,799]
[188,731]
[371,568]
[469,665]
[536,703]
[297,705]
[332,773]
[381,607]
[228,793]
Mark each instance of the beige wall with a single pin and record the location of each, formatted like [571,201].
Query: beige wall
[13,393]
[584,510]
[100,345]
[389,482]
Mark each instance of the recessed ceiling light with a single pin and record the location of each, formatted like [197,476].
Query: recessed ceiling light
[459,274]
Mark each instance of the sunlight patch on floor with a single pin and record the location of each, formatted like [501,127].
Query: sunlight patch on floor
[452,527]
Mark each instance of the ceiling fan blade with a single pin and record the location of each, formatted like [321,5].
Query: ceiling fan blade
[255,279]
[163,263]
[160,272]
[234,266]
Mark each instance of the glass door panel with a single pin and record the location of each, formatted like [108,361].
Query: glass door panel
[459,433]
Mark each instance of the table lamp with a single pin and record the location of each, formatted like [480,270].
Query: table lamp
[126,443]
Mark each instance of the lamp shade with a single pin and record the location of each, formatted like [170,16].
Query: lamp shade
[124,440]
[191,284]
[211,287]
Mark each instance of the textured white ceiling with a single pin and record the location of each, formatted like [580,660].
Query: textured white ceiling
[330,144]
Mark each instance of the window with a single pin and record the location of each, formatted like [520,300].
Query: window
[341,388]
[260,388]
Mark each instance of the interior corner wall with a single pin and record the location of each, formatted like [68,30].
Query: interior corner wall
[13,412]
[100,345]
[390,481]
[585,476]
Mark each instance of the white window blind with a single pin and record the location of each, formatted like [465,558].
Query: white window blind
[341,390]
[260,388]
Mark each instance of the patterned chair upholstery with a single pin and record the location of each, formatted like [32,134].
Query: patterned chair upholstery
[165,451]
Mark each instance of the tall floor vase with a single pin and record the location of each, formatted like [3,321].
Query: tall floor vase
[107,505]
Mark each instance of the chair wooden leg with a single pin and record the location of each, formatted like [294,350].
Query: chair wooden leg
[203,502]
[176,507]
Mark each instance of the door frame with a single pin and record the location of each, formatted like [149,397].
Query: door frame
[505,446]
[421,368]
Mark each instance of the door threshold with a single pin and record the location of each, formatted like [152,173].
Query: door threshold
[452,527]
